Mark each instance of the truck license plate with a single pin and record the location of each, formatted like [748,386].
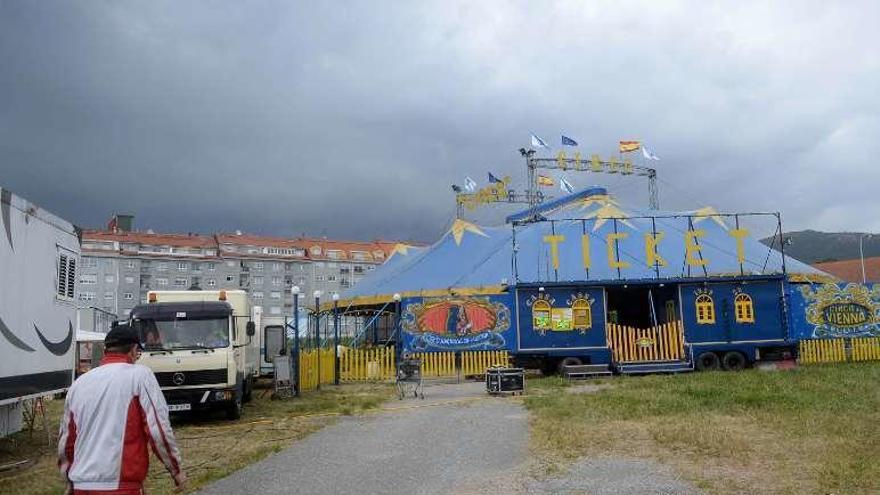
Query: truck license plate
[179,407]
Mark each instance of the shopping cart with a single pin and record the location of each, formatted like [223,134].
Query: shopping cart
[409,378]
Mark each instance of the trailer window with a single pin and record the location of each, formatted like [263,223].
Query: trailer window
[705,310]
[541,315]
[582,314]
[66,279]
[745,312]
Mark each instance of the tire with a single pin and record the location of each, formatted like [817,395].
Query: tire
[707,361]
[248,390]
[734,361]
[234,410]
[569,361]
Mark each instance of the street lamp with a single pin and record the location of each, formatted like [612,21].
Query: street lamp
[294,357]
[317,295]
[336,338]
[862,256]
[398,337]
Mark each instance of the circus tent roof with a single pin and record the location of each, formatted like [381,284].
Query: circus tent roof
[472,259]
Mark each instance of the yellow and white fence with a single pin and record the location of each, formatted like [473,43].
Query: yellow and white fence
[633,345]
[476,362]
[835,350]
[367,364]
[437,364]
[315,366]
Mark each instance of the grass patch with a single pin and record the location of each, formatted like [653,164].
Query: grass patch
[211,447]
[811,430]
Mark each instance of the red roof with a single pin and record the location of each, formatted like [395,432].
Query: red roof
[851,270]
[377,251]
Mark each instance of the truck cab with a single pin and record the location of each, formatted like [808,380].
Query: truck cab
[201,347]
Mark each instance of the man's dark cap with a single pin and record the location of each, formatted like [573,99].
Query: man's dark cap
[121,335]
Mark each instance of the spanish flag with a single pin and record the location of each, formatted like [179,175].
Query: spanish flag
[543,180]
[627,146]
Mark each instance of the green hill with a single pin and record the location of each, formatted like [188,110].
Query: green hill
[811,246]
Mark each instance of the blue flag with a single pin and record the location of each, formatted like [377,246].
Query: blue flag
[567,141]
[493,179]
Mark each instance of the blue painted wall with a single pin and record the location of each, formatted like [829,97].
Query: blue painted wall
[812,307]
[766,300]
[560,297]
[449,334]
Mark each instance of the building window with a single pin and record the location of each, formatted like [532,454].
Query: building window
[161,281]
[66,275]
[319,278]
[541,315]
[162,266]
[109,279]
[211,266]
[230,263]
[182,265]
[276,267]
[257,294]
[86,296]
[258,265]
[180,282]
[128,296]
[582,314]
[229,278]
[109,295]
[274,310]
[258,280]
[705,310]
[196,267]
[129,264]
[211,282]
[276,281]
[745,311]
[88,278]
[129,279]
[275,294]
[89,262]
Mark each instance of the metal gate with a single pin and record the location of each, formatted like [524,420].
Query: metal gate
[639,345]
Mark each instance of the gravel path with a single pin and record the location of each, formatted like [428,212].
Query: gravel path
[455,441]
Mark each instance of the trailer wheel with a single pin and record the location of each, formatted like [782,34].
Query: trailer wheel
[569,361]
[234,411]
[708,361]
[733,361]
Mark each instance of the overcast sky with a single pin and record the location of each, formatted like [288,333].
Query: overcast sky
[353,119]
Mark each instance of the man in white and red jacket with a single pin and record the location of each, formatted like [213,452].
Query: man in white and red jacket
[110,416]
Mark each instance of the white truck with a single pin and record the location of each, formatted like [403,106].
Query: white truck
[202,347]
[39,254]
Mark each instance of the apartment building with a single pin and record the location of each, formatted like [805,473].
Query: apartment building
[119,267]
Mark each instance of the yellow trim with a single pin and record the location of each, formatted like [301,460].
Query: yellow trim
[490,290]
[816,278]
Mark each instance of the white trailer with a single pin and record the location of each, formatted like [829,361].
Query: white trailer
[39,255]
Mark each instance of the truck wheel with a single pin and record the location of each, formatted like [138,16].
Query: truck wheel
[733,361]
[707,361]
[569,361]
[248,389]
[234,411]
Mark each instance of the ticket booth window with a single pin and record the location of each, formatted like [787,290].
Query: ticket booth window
[745,311]
[705,310]
[541,315]
[582,313]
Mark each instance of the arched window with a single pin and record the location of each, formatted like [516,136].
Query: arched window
[582,314]
[705,310]
[541,315]
[745,311]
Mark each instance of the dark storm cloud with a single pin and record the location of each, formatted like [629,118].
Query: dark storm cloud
[352,119]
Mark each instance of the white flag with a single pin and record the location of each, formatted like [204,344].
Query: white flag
[469,184]
[648,154]
[565,185]
[536,141]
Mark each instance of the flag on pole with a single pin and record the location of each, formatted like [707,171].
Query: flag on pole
[456,189]
[469,184]
[536,141]
[567,141]
[565,185]
[494,180]
[543,180]
[627,146]
[648,154]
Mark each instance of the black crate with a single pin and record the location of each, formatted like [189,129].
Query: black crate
[505,380]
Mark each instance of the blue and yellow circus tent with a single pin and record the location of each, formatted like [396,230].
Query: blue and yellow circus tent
[582,238]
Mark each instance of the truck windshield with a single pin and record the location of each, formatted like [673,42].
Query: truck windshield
[211,333]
